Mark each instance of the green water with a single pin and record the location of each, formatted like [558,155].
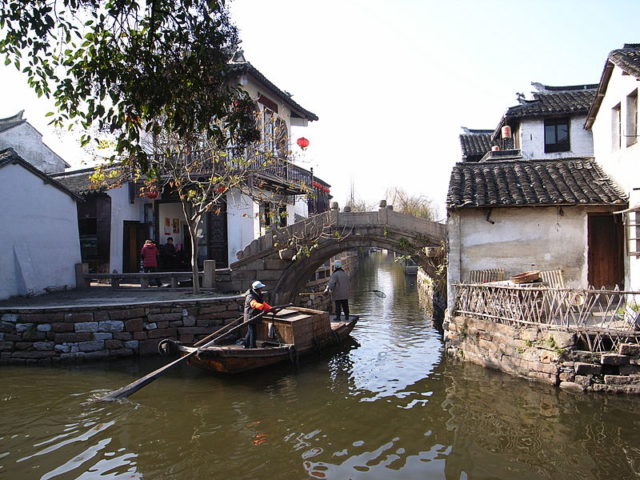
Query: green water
[387,406]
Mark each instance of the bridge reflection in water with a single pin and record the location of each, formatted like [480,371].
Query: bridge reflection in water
[390,405]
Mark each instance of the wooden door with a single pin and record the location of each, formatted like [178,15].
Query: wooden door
[134,237]
[606,251]
[217,242]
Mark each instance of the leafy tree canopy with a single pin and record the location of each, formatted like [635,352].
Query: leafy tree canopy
[124,67]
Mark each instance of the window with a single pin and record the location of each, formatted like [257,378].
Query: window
[268,122]
[272,215]
[632,232]
[632,119]
[556,135]
[616,125]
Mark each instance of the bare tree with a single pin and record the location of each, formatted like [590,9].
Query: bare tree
[416,205]
[201,173]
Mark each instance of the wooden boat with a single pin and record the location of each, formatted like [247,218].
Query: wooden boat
[295,331]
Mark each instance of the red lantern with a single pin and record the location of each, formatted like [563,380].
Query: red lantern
[506,131]
[152,194]
[303,142]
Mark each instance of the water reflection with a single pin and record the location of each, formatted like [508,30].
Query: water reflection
[388,405]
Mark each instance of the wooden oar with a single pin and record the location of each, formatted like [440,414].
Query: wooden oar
[204,340]
[133,387]
[377,292]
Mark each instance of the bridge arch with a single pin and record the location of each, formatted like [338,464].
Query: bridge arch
[287,258]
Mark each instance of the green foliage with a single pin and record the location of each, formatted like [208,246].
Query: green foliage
[127,67]
[405,244]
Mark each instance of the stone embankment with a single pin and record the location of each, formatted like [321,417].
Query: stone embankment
[78,333]
[433,303]
[542,354]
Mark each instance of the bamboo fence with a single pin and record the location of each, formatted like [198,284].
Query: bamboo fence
[602,319]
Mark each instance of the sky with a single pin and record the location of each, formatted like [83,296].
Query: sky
[392,82]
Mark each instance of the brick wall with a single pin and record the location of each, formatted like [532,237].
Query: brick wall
[72,334]
[542,354]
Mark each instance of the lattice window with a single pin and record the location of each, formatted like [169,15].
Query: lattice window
[632,233]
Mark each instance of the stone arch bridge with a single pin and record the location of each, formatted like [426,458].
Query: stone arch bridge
[286,258]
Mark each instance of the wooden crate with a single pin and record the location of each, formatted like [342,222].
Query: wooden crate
[298,326]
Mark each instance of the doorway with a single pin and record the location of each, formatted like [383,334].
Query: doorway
[217,241]
[605,251]
[134,237]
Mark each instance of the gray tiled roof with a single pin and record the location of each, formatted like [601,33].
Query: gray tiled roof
[475,143]
[78,181]
[296,109]
[573,181]
[555,101]
[627,58]
[13,121]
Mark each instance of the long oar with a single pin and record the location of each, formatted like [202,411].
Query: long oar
[133,387]
[376,292]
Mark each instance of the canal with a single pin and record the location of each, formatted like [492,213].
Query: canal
[389,405]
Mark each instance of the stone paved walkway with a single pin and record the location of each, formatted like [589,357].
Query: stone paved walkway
[104,295]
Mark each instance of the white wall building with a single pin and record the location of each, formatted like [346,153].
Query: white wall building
[521,215]
[550,125]
[17,133]
[40,239]
[540,202]
[613,119]
[114,223]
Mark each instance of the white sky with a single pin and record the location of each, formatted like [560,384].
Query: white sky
[393,81]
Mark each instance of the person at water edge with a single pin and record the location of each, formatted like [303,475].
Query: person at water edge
[254,306]
[150,254]
[339,288]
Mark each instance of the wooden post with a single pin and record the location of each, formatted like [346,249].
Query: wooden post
[81,270]
[144,282]
[209,276]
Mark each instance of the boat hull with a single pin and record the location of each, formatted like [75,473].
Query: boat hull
[231,359]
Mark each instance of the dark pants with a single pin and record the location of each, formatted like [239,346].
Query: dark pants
[250,337]
[342,305]
[156,281]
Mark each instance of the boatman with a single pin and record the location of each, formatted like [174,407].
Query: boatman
[254,308]
[339,288]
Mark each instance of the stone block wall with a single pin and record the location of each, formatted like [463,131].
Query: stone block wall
[433,304]
[424,285]
[71,334]
[542,354]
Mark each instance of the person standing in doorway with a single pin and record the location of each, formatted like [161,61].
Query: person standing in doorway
[339,288]
[150,254]
[169,255]
[254,308]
